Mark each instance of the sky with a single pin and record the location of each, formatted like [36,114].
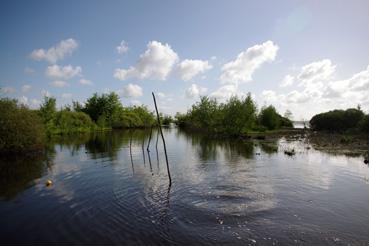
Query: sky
[304,56]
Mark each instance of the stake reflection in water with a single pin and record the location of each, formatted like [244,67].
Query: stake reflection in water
[157,152]
[143,151]
[130,150]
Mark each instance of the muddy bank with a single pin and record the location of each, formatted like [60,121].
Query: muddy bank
[344,144]
[348,144]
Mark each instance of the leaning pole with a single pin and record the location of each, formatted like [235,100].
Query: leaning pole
[162,137]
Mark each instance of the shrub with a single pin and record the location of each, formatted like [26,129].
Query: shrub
[166,120]
[337,120]
[21,129]
[364,124]
[71,122]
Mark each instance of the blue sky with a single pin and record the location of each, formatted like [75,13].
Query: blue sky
[305,56]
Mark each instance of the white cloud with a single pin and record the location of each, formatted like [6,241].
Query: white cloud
[66,72]
[316,72]
[241,69]
[26,88]
[7,90]
[35,103]
[23,100]
[45,93]
[57,52]
[122,47]
[195,91]
[161,94]
[131,90]
[29,70]
[156,63]
[85,82]
[297,97]
[225,92]
[318,92]
[136,102]
[188,69]
[59,83]
[66,95]
[287,81]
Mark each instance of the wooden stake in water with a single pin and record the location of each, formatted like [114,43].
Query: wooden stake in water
[162,137]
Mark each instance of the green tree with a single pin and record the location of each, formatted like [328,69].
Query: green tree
[288,114]
[102,107]
[48,109]
[238,115]
[269,117]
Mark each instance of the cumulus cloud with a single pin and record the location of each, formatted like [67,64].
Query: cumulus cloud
[23,100]
[29,70]
[318,92]
[59,83]
[131,90]
[136,102]
[188,69]
[358,84]
[35,103]
[7,90]
[195,90]
[122,47]
[66,72]
[85,82]
[316,72]
[57,52]
[26,88]
[160,95]
[241,69]
[66,95]
[156,63]
[287,81]
[45,93]
[225,92]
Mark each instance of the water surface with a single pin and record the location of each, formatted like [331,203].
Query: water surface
[223,192]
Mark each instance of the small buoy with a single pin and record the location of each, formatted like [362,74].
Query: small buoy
[49,182]
[366,161]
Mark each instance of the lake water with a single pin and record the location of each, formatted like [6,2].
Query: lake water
[223,192]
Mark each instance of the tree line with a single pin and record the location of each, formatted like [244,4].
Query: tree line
[22,128]
[235,117]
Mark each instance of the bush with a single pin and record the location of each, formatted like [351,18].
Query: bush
[337,120]
[133,117]
[166,120]
[71,122]
[21,129]
[285,122]
[364,124]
